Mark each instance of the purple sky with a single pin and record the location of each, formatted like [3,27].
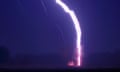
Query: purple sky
[26,28]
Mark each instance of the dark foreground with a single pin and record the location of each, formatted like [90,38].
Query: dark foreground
[92,61]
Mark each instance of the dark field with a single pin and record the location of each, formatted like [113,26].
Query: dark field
[105,60]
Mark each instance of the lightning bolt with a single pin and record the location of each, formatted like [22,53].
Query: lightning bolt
[77,28]
[44,6]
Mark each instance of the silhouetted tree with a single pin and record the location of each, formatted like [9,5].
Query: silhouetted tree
[4,55]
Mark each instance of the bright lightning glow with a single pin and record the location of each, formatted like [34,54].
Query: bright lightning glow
[71,63]
[77,28]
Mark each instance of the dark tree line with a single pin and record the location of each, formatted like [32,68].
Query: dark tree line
[4,55]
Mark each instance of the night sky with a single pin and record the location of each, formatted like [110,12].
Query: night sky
[29,27]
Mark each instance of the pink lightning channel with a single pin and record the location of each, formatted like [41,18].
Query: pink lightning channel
[77,28]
